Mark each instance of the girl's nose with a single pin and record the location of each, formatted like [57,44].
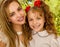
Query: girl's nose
[35,22]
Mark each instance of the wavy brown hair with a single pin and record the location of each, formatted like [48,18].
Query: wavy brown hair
[48,16]
[6,26]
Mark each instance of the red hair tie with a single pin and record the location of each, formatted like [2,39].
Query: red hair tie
[27,8]
[37,3]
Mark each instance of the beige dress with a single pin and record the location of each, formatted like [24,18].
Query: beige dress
[42,39]
[20,45]
[4,39]
[20,42]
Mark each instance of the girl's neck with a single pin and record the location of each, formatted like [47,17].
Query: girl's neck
[17,28]
[42,30]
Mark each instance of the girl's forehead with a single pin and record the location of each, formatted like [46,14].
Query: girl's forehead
[35,12]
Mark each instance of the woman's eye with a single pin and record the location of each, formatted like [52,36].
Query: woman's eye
[19,9]
[12,14]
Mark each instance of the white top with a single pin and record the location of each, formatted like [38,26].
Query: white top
[4,39]
[58,40]
[43,39]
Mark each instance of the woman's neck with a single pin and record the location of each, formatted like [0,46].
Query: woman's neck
[17,28]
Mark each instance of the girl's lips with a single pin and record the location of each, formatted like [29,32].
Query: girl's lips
[36,26]
[21,18]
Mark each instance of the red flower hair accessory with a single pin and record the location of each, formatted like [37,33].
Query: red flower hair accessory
[37,3]
[27,8]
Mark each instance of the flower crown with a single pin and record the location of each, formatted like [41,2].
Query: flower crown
[37,3]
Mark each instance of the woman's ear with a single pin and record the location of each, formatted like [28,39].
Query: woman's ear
[9,20]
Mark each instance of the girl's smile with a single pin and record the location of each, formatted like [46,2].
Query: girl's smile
[36,26]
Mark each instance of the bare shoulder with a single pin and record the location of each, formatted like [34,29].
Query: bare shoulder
[4,41]
[2,44]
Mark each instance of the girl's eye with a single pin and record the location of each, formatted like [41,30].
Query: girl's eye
[19,9]
[30,19]
[38,18]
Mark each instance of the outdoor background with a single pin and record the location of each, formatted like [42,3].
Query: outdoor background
[54,8]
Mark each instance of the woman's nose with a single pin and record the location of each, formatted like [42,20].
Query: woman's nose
[17,13]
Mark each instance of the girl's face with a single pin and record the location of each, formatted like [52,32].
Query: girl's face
[16,14]
[36,22]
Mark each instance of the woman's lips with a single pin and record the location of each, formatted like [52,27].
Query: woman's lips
[21,18]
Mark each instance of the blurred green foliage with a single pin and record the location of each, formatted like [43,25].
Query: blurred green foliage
[54,6]
[55,9]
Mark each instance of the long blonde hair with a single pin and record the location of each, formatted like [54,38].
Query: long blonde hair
[6,26]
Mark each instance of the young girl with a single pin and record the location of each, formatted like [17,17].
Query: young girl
[40,21]
[12,29]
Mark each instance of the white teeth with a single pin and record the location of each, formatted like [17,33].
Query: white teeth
[21,19]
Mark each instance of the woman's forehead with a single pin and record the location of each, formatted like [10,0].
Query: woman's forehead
[13,6]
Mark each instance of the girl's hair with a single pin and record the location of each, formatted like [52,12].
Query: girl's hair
[49,23]
[6,26]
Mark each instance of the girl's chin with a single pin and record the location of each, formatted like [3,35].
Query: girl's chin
[36,30]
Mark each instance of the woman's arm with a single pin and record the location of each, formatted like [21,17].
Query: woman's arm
[2,44]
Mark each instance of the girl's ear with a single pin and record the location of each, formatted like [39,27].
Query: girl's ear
[44,20]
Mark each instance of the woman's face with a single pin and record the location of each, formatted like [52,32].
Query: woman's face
[16,14]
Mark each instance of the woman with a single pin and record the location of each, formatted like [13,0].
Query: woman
[12,19]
